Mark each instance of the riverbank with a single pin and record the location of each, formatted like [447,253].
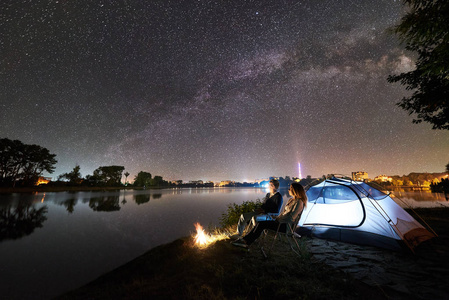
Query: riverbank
[326,270]
[181,271]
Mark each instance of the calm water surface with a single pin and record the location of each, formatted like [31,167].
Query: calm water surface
[51,243]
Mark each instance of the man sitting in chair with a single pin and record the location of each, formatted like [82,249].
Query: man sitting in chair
[272,203]
[291,212]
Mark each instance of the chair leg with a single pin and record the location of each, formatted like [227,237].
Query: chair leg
[274,240]
[262,246]
[290,234]
[293,237]
[292,246]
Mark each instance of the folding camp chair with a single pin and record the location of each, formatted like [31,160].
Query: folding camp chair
[290,234]
[267,216]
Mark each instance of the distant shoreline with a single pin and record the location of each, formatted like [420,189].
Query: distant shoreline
[55,189]
[48,189]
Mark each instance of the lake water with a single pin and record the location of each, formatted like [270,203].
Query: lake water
[51,243]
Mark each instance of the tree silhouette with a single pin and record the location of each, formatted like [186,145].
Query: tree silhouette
[126,177]
[142,179]
[19,161]
[425,30]
[157,181]
[74,177]
[108,175]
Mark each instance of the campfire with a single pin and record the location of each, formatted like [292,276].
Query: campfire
[203,240]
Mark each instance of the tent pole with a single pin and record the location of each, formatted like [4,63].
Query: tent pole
[383,213]
[411,208]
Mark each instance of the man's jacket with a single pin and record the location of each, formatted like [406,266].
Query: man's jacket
[272,204]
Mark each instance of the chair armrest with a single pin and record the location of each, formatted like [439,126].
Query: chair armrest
[266,217]
[272,216]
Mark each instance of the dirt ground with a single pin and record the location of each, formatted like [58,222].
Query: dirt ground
[423,275]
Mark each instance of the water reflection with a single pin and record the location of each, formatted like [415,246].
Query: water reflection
[141,199]
[414,199]
[109,203]
[21,220]
[70,204]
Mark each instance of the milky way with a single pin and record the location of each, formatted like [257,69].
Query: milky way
[212,90]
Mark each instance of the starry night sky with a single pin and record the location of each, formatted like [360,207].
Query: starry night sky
[212,90]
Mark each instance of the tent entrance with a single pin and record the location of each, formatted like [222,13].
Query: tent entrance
[339,205]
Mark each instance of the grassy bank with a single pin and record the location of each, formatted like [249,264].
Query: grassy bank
[222,271]
[181,271]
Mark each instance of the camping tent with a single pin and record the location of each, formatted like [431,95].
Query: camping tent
[353,211]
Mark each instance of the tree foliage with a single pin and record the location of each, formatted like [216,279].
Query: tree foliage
[421,179]
[157,181]
[126,177]
[142,179]
[108,175]
[425,30]
[73,177]
[22,162]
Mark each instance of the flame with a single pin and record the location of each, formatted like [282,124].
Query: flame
[203,240]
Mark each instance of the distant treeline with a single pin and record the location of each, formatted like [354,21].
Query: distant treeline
[102,176]
[21,165]
[414,179]
[110,176]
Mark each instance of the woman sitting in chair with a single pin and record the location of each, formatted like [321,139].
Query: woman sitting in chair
[292,210]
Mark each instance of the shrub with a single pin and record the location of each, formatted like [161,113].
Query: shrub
[232,214]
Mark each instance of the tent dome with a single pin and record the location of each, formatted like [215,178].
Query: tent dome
[353,211]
